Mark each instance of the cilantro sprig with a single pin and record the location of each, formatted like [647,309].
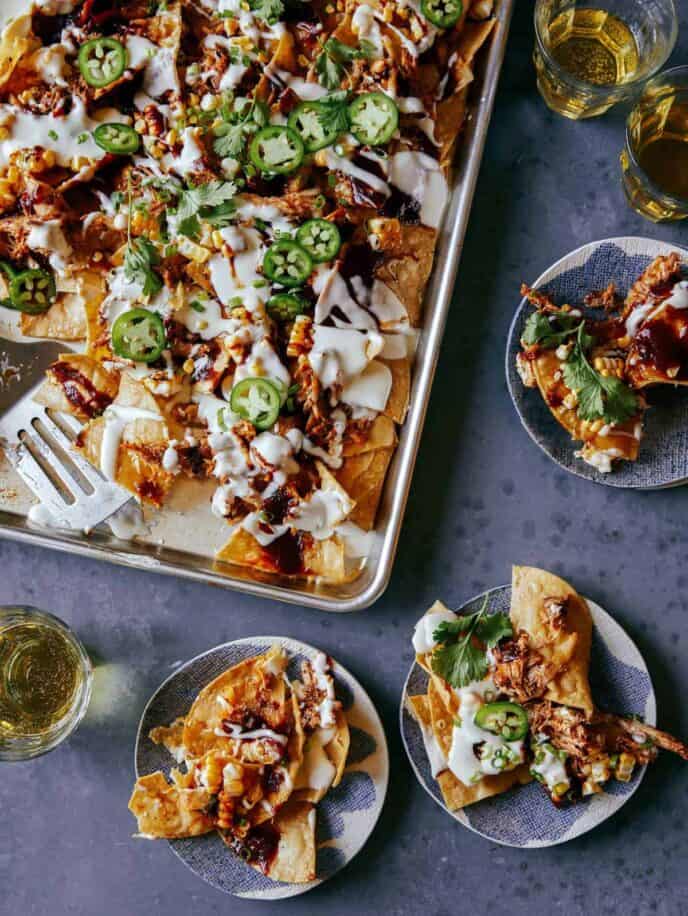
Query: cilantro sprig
[270,11]
[238,122]
[599,397]
[458,658]
[140,258]
[212,202]
[330,65]
[539,328]
[333,112]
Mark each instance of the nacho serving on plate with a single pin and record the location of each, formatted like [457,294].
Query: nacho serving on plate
[258,753]
[591,368]
[232,210]
[508,699]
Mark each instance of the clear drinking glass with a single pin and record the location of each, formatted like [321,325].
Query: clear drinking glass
[654,161]
[590,57]
[45,682]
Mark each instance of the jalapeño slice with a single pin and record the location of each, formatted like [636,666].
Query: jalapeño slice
[285,307]
[305,120]
[320,238]
[287,263]
[256,400]
[442,13]
[276,149]
[102,61]
[117,138]
[139,335]
[373,117]
[508,720]
[31,291]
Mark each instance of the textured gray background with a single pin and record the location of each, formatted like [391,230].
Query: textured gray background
[483,497]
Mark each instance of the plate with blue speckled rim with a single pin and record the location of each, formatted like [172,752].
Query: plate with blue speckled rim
[663,458]
[525,816]
[345,817]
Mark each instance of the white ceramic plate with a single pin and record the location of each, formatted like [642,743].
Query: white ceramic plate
[345,817]
[525,816]
[663,458]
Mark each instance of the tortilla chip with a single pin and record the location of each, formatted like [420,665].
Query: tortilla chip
[295,859]
[568,646]
[171,737]
[408,258]
[621,439]
[455,794]
[17,39]
[64,320]
[363,476]
[168,811]
[323,763]
[83,371]
[293,828]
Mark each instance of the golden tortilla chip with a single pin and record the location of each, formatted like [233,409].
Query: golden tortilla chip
[17,39]
[455,794]
[167,811]
[324,760]
[78,385]
[171,737]
[620,441]
[560,639]
[295,859]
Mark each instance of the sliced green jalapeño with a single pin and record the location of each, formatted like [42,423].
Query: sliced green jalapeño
[139,335]
[276,149]
[31,291]
[508,720]
[374,117]
[287,263]
[102,61]
[256,400]
[285,307]
[320,238]
[117,138]
[306,121]
[442,13]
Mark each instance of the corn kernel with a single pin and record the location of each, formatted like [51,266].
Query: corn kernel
[171,137]
[4,133]
[189,366]
[217,239]
[49,158]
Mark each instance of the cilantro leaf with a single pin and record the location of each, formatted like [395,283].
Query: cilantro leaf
[194,201]
[599,397]
[237,124]
[330,63]
[493,627]
[270,11]
[457,658]
[540,329]
[460,663]
[333,112]
[140,257]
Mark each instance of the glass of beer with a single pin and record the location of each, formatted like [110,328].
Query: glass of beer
[654,161]
[588,58]
[45,682]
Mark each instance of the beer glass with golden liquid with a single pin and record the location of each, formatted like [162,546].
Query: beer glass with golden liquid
[654,161]
[589,57]
[45,682]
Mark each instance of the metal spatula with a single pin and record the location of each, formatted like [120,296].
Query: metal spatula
[37,441]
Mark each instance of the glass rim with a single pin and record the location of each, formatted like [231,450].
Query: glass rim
[610,89]
[26,747]
[630,147]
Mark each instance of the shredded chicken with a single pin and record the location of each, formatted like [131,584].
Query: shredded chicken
[664,270]
[520,671]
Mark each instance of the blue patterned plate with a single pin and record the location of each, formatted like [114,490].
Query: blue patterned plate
[663,459]
[345,817]
[525,816]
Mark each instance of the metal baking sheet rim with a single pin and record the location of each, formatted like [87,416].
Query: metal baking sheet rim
[365,590]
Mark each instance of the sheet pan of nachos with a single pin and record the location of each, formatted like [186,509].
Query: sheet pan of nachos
[229,214]
[508,701]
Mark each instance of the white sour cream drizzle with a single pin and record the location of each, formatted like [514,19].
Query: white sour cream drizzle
[234,730]
[116,419]
[423,640]
[678,299]
[498,755]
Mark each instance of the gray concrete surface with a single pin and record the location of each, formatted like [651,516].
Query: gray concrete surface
[483,497]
